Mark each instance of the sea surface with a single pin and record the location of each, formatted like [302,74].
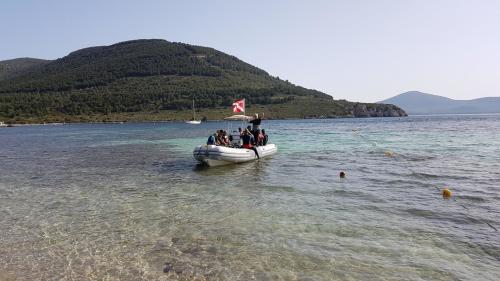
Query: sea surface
[128,202]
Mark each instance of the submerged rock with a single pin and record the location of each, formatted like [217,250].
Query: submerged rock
[168,267]
[212,250]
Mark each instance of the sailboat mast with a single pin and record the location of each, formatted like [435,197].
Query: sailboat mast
[194,112]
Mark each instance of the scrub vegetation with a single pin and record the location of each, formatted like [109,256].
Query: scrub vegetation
[145,80]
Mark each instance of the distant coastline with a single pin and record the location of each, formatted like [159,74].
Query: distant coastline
[415,102]
[454,114]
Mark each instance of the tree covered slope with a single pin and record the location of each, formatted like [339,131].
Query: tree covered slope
[16,67]
[158,79]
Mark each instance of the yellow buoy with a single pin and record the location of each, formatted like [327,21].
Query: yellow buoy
[389,154]
[446,193]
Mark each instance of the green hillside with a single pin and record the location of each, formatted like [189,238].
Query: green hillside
[16,67]
[157,80]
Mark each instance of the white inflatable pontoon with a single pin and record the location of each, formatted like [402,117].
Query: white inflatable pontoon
[214,155]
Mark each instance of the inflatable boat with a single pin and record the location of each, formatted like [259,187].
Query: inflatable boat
[214,155]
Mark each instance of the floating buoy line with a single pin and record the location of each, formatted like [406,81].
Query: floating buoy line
[445,192]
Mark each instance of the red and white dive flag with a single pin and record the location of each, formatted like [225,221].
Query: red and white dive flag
[239,106]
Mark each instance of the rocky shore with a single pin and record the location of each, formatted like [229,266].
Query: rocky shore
[383,110]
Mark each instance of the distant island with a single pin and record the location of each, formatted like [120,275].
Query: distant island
[143,80]
[415,102]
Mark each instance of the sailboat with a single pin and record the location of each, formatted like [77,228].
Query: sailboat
[194,121]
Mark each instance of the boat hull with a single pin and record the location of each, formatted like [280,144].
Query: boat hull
[194,122]
[213,155]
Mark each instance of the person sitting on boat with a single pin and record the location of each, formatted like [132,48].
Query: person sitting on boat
[225,138]
[235,138]
[211,139]
[217,138]
[265,136]
[220,137]
[247,139]
[249,129]
[260,138]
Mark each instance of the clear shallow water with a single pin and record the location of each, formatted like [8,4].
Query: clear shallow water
[127,202]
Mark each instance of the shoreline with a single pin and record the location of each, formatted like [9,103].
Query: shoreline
[20,124]
[175,121]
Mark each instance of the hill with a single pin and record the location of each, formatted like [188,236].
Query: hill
[16,67]
[421,103]
[157,80]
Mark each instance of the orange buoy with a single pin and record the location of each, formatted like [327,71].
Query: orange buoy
[446,193]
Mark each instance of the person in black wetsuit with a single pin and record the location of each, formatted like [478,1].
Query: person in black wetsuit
[256,126]
[256,122]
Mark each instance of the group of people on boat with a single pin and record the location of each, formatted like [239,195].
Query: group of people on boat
[248,138]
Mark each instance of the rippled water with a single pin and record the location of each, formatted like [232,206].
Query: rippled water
[127,202]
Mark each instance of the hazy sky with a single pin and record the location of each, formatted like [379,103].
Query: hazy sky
[357,50]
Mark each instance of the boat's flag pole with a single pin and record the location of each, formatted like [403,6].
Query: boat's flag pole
[243,122]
